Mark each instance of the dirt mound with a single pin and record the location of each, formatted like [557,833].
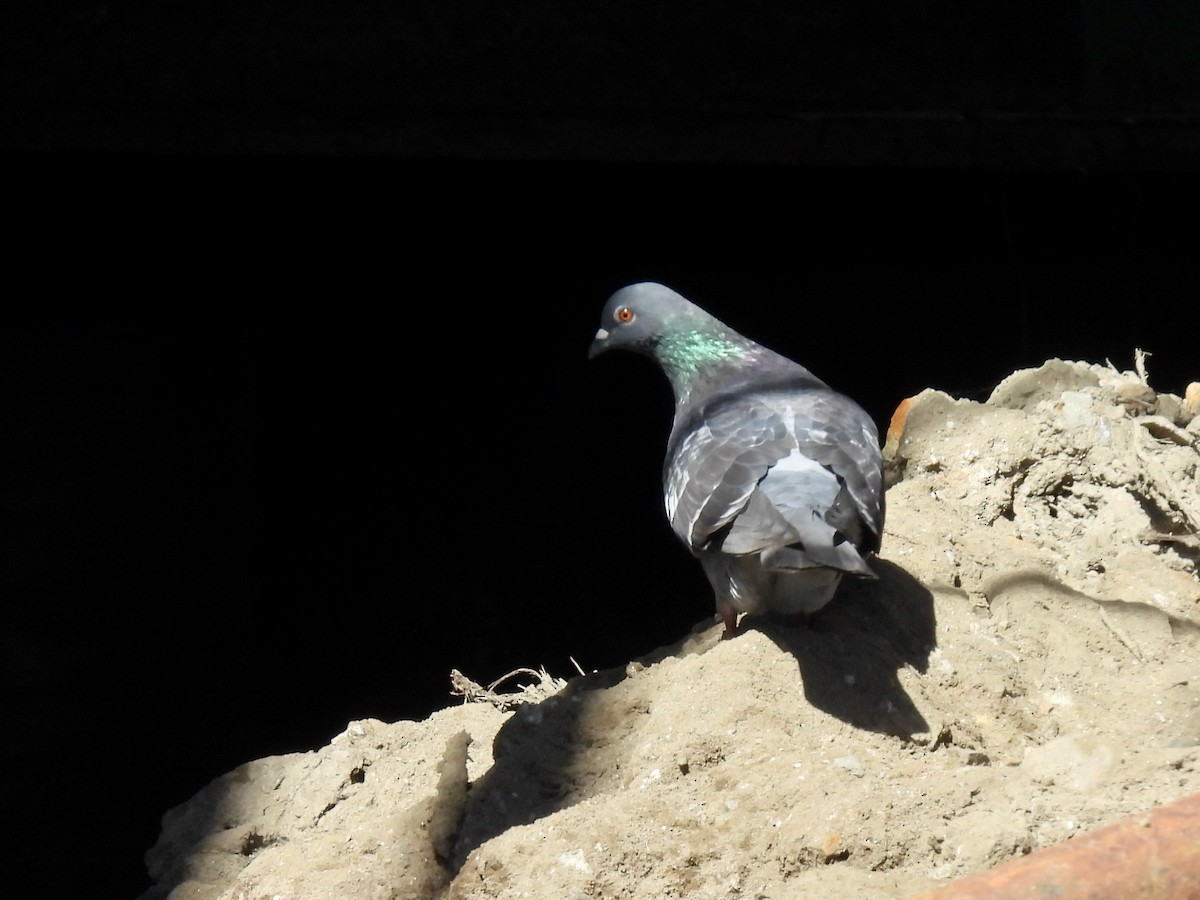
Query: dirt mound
[1024,669]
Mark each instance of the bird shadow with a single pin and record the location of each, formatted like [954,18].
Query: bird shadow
[850,652]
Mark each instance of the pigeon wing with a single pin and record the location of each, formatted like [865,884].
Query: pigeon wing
[777,469]
[715,464]
[836,432]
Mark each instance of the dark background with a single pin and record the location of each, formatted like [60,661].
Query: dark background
[296,410]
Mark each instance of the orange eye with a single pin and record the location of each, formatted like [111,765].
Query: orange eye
[625,315]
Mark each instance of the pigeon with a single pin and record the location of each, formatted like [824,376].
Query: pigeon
[773,480]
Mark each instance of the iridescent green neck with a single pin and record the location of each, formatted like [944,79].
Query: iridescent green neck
[684,354]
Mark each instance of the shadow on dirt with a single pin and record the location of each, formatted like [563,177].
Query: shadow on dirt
[999,585]
[849,653]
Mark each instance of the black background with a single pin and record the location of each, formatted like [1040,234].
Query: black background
[296,408]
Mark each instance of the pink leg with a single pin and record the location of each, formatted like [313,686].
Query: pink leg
[729,617]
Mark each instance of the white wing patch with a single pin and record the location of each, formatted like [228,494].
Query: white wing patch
[680,479]
[798,462]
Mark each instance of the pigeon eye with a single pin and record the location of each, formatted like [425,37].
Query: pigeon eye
[625,315]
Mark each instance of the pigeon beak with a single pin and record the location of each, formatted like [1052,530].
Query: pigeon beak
[599,345]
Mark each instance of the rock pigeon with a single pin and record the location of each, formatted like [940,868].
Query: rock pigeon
[772,480]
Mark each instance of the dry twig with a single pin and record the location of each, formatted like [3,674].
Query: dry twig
[473,692]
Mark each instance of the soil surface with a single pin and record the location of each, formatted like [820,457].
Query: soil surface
[1025,668]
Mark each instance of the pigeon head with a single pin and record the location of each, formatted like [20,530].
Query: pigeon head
[636,317]
[687,342]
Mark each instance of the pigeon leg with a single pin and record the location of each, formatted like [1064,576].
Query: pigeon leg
[728,615]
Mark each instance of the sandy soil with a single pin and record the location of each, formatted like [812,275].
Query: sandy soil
[1024,669]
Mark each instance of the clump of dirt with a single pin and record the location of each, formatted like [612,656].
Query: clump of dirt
[1024,669]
